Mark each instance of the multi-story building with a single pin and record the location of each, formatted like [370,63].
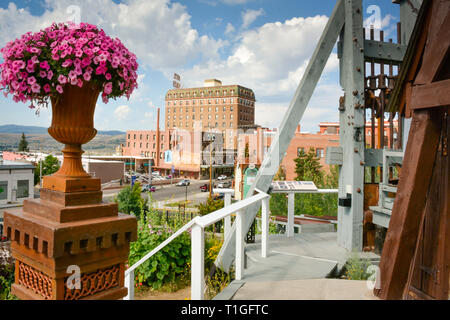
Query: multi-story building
[212,106]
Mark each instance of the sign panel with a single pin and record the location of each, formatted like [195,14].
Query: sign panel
[294,186]
[168,156]
[249,178]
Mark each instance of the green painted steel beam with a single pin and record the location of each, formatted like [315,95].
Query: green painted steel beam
[294,114]
[383,52]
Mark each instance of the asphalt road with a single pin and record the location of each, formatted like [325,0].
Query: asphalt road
[177,193]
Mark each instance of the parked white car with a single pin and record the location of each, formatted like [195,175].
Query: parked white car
[222,177]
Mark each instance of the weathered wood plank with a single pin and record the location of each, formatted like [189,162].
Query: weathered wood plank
[398,250]
[435,94]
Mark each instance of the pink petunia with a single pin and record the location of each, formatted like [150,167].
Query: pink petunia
[108,88]
[47,88]
[50,75]
[42,74]
[108,76]
[67,63]
[44,65]
[80,83]
[36,88]
[31,80]
[62,79]
[87,76]
[59,88]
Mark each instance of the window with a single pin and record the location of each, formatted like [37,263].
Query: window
[209,101]
[162,145]
[217,101]
[181,109]
[201,116]
[224,116]
[3,190]
[134,137]
[209,117]
[187,117]
[128,136]
[154,145]
[168,117]
[193,101]
[201,109]
[154,136]
[146,145]
[193,117]
[128,144]
[174,117]
[174,103]
[231,108]
[147,137]
[224,109]
[231,116]
[162,137]
[223,124]
[231,100]
[217,116]
[160,155]
[140,137]
[217,109]
[300,150]
[319,153]
[140,145]
[134,144]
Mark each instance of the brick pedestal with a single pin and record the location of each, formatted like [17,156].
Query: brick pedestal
[55,235]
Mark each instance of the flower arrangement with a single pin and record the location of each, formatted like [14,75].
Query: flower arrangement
[39,65]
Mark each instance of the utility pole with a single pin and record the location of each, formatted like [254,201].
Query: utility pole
[210,165]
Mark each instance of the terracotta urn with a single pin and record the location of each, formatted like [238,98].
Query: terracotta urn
[72,125]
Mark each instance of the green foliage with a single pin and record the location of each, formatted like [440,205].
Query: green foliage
[130,201]
[308,168]
[357,268]
[209,206]
[170,262]
[171,266]
[23,143]
[6,280]
[280,175]
[49,166]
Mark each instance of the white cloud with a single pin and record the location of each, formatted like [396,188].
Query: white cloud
[229,29]
[169,39]
[121,112]
[270,59]
[249,16]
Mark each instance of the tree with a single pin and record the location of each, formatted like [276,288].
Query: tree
[49,166]
[23,143]
[130,201]
[280,175]
[308,167]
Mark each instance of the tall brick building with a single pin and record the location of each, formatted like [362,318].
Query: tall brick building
[212,106]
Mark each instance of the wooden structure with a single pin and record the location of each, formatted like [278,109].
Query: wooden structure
[415,262]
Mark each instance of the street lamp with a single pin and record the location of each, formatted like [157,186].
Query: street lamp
[210,164]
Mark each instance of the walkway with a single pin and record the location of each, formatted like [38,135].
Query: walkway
[297,268]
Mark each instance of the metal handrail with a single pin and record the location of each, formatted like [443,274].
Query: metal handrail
[162,245]
[198,224]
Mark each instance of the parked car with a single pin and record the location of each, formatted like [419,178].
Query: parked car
[168,177]
[184,182]
[205,187]
[218,196]
[222,177]
[225,184]
[148,188]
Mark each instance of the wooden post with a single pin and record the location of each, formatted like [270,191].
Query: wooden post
[409,204]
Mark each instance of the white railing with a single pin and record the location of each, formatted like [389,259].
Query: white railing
[197,226]
[291,204]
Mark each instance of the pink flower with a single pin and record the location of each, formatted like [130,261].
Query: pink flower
[59,88]
[47,88]
[31,80]
[67,63]
[80,83]
[36,88]
[44,65]
[87,76]
[50,75]
[62,79]
[42,74]
[108,88]
[108,76]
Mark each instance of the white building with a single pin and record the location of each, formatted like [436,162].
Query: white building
[16,182]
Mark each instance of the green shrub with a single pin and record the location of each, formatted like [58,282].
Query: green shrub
[130,201]
[170,262]
[357,268]
[6,280]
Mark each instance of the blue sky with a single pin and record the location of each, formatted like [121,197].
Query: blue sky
[261,44]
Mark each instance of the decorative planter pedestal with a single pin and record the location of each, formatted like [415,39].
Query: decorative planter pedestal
[69,228]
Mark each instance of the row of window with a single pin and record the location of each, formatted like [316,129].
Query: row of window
[203,94]
[147,154]
[147,138]
[201,117]
[147,145]
[191,125]
[224,108]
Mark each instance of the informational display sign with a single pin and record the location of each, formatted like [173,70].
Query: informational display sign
[133,180]
[294,186]
[249,178]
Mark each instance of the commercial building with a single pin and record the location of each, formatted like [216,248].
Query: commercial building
[16,181]
[212,106]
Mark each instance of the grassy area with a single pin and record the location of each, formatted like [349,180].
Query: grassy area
[188,203]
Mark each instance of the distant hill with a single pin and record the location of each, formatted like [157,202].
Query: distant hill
[12,128]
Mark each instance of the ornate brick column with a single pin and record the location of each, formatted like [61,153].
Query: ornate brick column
[69,228]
